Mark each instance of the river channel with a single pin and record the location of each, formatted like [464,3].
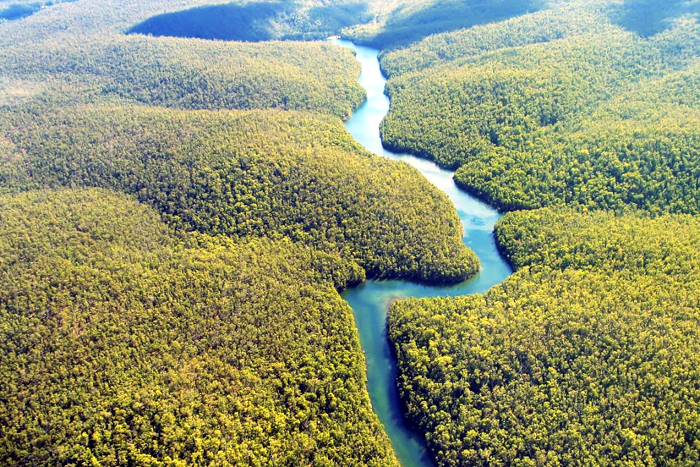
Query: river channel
[370,300]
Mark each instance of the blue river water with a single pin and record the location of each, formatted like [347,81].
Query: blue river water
[370,301]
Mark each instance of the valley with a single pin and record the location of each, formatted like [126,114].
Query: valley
[460,233]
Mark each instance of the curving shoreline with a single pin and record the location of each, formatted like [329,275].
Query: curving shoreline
[370,301]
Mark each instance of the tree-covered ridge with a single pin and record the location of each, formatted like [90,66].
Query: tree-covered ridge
[93,17]
[639,149]
[124,344]
[81,48]
[276,174]
[632,243]
[507,98]
[525,122]
[588,354]
[543,26]
[196,74]
[559,19]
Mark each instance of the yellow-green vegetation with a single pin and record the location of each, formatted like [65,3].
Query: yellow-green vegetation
[126,344]
[198,74]
[544,26]
[560,106]
[177,216]
[275,174]
[176,219]
[69,54]
[588,354]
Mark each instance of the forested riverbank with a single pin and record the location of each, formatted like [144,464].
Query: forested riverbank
[557,107]
[582,118]
[179,213]
[179,216]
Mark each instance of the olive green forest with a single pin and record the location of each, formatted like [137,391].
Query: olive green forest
[180,206]
[560,106]
[588,354]
[125,343]
[241,174]
[582,119]
[177,218]
[80,51]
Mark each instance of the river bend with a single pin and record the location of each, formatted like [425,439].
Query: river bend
[370,300]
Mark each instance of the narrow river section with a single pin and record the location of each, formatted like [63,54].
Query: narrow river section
[370,300]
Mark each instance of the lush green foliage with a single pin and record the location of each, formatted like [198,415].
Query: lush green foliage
[399,23]
[81,51]
[245,174]
[649,17]
[126,345]
[588,354]
[131,336]
[632,243]
[197,74]
[611,163]
[540,114]
[544,26]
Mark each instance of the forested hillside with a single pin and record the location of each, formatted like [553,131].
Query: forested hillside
[545,26]
[177,217]
[560,106]
[126,344]
[180,206]
[194,74]
[73,56]
[588,354]
[241,174]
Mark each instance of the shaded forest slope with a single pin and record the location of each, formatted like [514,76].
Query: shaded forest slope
[559,106]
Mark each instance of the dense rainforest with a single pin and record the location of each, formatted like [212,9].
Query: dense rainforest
[125,343]
[177,217]
[241,174]
[193,74]
[560,106]
[180,206]
[588,354]
[586,114]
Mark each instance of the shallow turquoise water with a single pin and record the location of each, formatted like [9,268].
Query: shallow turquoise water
[370,301]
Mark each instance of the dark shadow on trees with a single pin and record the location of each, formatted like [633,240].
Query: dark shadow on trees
[256,21]
[448,16]
[250,22]
[649,17]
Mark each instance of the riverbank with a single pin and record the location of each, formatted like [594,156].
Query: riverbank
[370,300]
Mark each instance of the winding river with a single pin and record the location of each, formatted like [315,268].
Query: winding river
[370,300]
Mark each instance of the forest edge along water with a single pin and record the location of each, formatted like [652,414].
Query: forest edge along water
[370,301]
